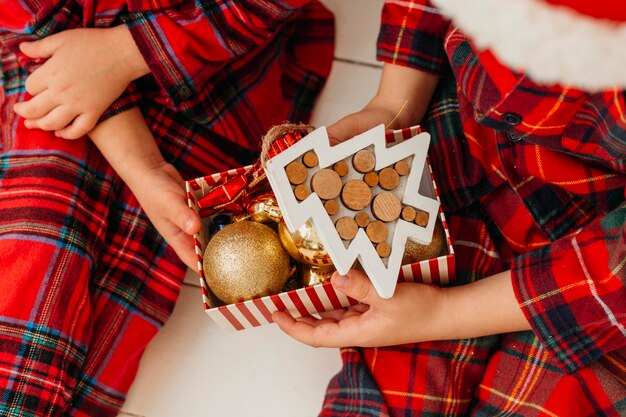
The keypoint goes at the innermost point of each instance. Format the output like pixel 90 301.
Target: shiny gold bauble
pixel 245 260
pixel 264 209
pixel 311 275
pixel 304 245
pixel 416 252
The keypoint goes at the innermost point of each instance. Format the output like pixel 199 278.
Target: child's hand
pixel 84 72
pixel 160 192
pixel 356 123
pixel 401 101
pixel 415 313
pixel 128 145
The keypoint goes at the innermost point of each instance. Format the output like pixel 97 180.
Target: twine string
pixel 277 132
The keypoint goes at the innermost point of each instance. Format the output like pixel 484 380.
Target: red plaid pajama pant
pixel 81 266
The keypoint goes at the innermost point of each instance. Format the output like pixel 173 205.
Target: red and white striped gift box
pixel 309 300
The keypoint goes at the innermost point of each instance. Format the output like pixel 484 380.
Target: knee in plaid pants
pixel 71 265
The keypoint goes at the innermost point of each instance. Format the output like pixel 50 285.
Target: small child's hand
pixel 415 313
pixel 161 194
pixel 401 101
pixel 356 123
pixel 84 72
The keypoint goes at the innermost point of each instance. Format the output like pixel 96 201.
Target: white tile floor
pixel 195 369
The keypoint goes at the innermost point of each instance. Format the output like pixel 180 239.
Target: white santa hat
pixel 581 43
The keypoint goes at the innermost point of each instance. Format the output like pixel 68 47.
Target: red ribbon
pixel 236 192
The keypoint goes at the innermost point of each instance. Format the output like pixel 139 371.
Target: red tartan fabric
pixel 532 178
pixel 86 281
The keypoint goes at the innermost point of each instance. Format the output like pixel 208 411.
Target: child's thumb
pixel 188 220
pixel 356 285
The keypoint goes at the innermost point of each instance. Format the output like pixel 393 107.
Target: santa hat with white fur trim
pixel 581 43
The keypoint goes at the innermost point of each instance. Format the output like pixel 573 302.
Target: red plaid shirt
pixel 532 179
pixel 552 162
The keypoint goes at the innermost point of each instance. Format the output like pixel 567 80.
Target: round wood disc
pixel 332 207
pixel 296 172
pixel 388 178
pixel 356 195
pixel 386 206
pixel 310 159
pixel 341 168
pixel 402 167
pixel 362 219
pixel 347 228
pixel 383 249
pixel 326 183
pixel 301 192
pixel 371 179
pixel 421 218
pixel 408 213
pixel 376 231
pixel 364 161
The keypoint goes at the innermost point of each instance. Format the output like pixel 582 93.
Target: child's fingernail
pixel 190 226
pixel 340 281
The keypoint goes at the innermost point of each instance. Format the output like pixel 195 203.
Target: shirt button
pixel 513 138
pixel 512 119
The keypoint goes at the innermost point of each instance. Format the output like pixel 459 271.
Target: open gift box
pixel 317 298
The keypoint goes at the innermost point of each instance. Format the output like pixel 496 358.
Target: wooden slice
pixel 346 227
pixel 421 218
pixel 356 195
pixel 332 207
pixel 376 231
pixel 310 159
pixel 326 183
pixel 301 192
pixel 341 168
pixel 362 219
pixel 383 249
pixel 402 167
pixel 386 207
pixel 371 179
pixel 364 161
pixel 408 213
pixel 388 178
pixel 296 172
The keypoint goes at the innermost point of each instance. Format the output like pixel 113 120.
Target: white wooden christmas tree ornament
pixel 383 272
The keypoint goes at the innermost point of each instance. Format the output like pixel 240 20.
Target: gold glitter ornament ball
pixel 245 260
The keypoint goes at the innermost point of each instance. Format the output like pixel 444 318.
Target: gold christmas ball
pixel 311 275
pixel 245 260
pixel 264 209
pixel 304 245
pixel 416 252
